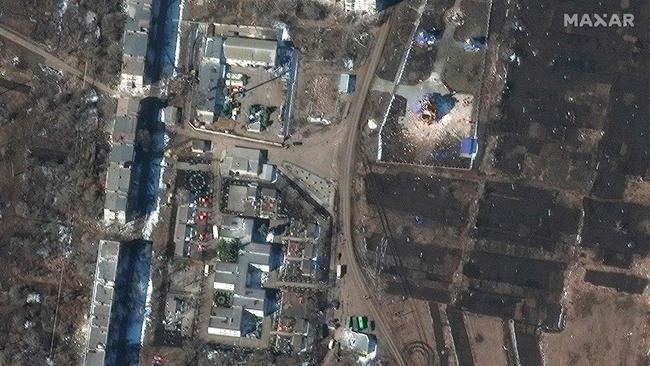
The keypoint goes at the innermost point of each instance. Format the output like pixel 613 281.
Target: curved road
pixel 51 59
pixel 348 151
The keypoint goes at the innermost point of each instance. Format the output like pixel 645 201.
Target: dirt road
pixel 52 60
pixel 347 157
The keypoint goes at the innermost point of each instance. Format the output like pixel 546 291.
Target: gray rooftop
pixel 127 107
pixel 103 294
pixel 237 201
pixel 185 214
pixel 270 193
pixel 135 43
pixel 256 300
pixel 121 153
pixel 209 76
pixel 100 309
pixel 122 129
pixel 213 49
pixel 251 50
pixel 115 202
pixel 95 358
pixel 138 15
pixel 226 318
pixel 241 159
pixel 132 65
pixel 234 227
pixel 225 277
pixel 225 267
pixel 118 178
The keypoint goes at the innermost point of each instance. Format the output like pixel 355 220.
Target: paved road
pixel 348 152
pixel 51 59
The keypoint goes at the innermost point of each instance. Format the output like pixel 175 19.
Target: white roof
pixel 251 50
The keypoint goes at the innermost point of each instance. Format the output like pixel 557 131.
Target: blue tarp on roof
pixel 468 147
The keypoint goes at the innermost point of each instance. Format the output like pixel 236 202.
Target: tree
pixel 228 250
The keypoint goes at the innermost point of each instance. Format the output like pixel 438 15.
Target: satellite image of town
pixel 324 182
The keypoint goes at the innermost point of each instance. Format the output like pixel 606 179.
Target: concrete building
pixel 122 129
pixel 244 280
pixel 201 146
pixel 183 231
pixel 121 153
pixel 135 38
pixel 226 321
pixel 242 200
pixel 117 178
pixel 250 52
pixel 127 107
pixel 238 228
pixel 211 73
pixel 225 276
pixel 132 76
pixel 115 208
pixel 102 302
pixel 360 6
pixel 138 14
pixel 364 345
pixel 346 83
pixel 243 162
pixel 213 51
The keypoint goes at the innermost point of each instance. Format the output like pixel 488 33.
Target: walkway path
pixel 51 59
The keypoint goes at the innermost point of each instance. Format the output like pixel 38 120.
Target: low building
pixel 201 146
pixel 360 6
pixel 211 73
pixel 242 200
pixel 132 76
pixel 244 280
pixel 213 50
pixel 115 208
pixel 118 178
pixel 250 52
pixel 225 276
pixel 102 302
pixel 183 231
pixel 133 58
pixel 347 83
pixel 236 228
pixel 122 129
pixel 138 15
pixel 243 162
pixel 121 153
pixel 364 345
pixel 226 321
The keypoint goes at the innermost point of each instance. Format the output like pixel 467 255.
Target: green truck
pixel 358 323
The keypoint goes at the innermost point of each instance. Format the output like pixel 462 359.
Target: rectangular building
pixel 250 52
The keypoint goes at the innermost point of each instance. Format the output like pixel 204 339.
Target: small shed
pixel 468 147
pixel 347 83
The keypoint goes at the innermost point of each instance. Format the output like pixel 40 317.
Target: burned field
pixel 617 231
pixel 421 64
pixel 422 245
pixel 552 229
pixel 398 41
pixel 430 120
pixel 506 219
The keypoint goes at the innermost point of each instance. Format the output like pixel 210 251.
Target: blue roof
pixel 468 147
